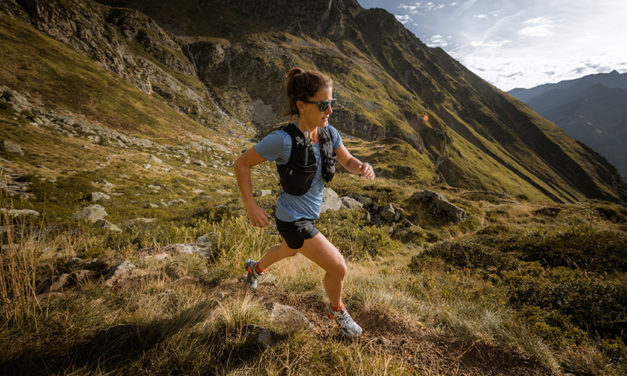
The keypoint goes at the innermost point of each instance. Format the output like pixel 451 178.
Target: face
pixel 310 113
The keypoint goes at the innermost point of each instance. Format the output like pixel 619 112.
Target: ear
pixel 301 106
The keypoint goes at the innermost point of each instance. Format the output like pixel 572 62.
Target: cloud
pixel 404 18
pixel 491 44
pixel 537 27
pixel 452 4
pixel 480 16
pixel 437 41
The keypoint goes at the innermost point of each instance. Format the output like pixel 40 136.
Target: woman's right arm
pixel 257 215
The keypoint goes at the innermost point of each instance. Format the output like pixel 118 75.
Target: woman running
pixel 305 153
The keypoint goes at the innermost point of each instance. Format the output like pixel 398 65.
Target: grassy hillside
pixel 511 290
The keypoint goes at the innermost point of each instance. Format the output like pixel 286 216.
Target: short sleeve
pixel 335 137
pixel 276 146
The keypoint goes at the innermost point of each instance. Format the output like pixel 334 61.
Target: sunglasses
pixel 322 105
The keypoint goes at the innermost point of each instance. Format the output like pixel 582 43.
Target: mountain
pixel 220 65
pixel 591 109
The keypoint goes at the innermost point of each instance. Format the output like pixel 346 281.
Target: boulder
pixel 439 206
pixel 119 272
pixel 388 213
pixel 330 200
pixel 20 212
pixel 364 200
pixel 10 147
pixel 351 203
pixel 108 225
pixel 203 250
pixel 288 316
pixel 200 163
pixel 138 221
pixel 263 193
pixel 97 196
pixel 91 213
pixel 176 201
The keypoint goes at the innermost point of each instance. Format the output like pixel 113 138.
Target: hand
pixel 366 170
pixel 258 216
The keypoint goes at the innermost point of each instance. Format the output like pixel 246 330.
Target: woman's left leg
pixel 321 251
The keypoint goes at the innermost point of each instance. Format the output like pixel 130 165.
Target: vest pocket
pixel 296 179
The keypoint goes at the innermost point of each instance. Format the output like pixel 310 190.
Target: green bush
pixel 355 239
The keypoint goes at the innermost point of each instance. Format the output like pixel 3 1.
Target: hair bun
pixel 295 72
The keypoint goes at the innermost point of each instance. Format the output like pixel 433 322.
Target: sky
pixel 521 43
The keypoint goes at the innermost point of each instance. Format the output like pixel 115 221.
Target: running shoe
pixel 251 273
pixel 348 326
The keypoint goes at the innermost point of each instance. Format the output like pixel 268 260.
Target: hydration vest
pixel 298 173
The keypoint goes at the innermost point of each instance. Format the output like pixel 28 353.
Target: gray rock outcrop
pixel 351 203
pixel 330 200
pixel 91 213
pixel 288 316
pixel 439 206
pixel 10 147
pixel 98 196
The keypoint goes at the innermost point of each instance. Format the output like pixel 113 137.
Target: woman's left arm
pixel 352 164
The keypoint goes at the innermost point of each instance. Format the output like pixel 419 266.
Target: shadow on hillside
pixel 112 349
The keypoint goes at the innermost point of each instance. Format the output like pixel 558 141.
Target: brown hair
pixel 302 84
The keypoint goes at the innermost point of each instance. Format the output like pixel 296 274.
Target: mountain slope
pixel 386 82
pixel 592 109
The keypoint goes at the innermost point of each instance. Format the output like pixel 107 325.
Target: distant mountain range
pixel 591 109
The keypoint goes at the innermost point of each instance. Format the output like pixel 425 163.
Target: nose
pixel 329 110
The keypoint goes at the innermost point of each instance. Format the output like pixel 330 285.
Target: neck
pixel 305 127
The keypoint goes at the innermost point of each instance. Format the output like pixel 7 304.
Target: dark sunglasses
pixel 322 105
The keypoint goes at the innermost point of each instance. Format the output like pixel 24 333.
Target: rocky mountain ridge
pixel 222 64
pixel 590 109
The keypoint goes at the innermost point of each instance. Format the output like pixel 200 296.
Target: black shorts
pixel 296 232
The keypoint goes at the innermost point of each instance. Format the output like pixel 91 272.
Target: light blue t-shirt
pixel 277 147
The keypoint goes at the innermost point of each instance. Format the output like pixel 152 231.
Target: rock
pixel 107 225
pixel 91 213
pixel 330 200
pixel 155 159
pixel 203 239
pixel 200 163
pixel 20 212
pixel 10 147
pixel 59 282
pixel 388 212
pixel 83 275
pixel 364 200
pixel 138 221
pixel 176 201
pixel 439 206
pixel 97 196
pixel 263 192
pixel 197 191
pixel 548 211
pixel 265 339
pixel 260 336
pixel 105 185
pixel 147 166
pixel 351 203
pixel 203 250
pixel 119 272
pixel 288 316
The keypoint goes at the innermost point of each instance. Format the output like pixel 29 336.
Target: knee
pixel 340 269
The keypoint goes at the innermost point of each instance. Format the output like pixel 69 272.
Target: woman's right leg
pixel 275 253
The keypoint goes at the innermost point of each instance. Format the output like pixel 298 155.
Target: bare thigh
pixel 321 251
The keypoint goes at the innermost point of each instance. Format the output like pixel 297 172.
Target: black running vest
pixel 298 173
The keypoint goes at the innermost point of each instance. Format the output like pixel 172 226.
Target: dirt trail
pixel 428 352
